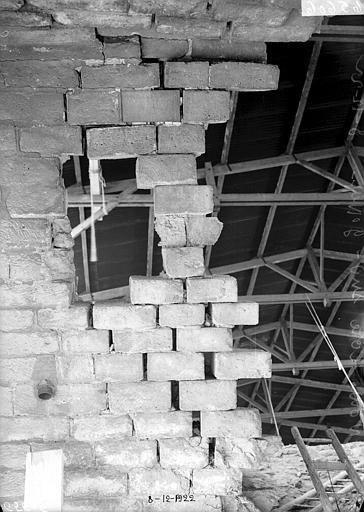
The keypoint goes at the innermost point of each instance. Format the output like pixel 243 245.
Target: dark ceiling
pixel 261 129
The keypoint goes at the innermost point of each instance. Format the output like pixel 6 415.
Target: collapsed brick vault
pixel 133 411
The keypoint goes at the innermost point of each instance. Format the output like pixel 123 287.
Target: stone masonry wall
pixel 133 411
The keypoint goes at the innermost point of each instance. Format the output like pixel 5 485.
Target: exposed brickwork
pixel 130 376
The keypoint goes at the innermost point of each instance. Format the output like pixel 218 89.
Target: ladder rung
pixel 319 440
pixel 328 465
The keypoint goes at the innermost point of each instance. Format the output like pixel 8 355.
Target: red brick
pixel 158 49
pixel 119 367
pixel 13 320
pixel 32 107
pixel 251 14
pixel 22 344
pixel 48 429
pixel 38 73
pixel 206 106
pixel 126 48
pixel 23 369
pixel 119 315
pixel 40 294
pixel 183 200
pixel 185 138
pixel 120 141
pixel 181 315
pixel 155 170
pixel 297 28
pixel 106 504
pixel 91 18
pixel 6 401
pixel 74 317
pixel 242 364
pixel 93 107
pixel 75 369
pixel 127 454
pixel 24 234
pixel 209 339
pixel 175 366
pixel 90 340
pixel 155 290
pixel 93 5
pixel 230 314
pixel 132 341
pixel 13 456
pixel 12 484
pixel 155 482
pixel 169 7
pixel 171 230
pixel 212 289
pixel 202 231
pixel 207 395
pixel 181 28
pixel 243 76
pixel 160 425
pixel 98 428
pixel 40 177
pixel 139 397
pixel 244 423
pixel 7 138
pixel 70 400
pixel 75 453
pixel 52 140
pixel 150 106
pixel 183 262
pixel 95 482
pixel 229 49
pixel 186 75
pixel 189 453
pixel 217 481
pixel 122 76
pixel 52 45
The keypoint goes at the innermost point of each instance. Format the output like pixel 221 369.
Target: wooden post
pixel 326 505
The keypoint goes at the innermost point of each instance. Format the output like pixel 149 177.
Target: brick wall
pixel 133 412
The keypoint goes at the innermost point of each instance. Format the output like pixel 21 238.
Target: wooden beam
pixel 345 388
pixel 298 298
pixel 328 175
pixel 315 365
pixel 112 293
pixel 310 426
pixel 258 262
pixel 356 165
pixel 336 331
pixel 291 277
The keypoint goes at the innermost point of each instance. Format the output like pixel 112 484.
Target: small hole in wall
pixel 175 394
pixel 145 366
pixel 212 444
pixel 196 423
pixel 208 365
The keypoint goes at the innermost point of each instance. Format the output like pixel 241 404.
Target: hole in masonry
pixel 111 342
pixel 196 423
pixel 212 444
pixel 145 365
pixel 175 394
pixel 229 26
pixel 208 365
pixel 158 452
pixel 174 340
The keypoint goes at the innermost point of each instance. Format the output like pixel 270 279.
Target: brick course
pixel 120 141
pixel 154 170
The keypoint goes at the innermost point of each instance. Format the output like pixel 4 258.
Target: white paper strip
pixel 332 7
pixel 44 481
